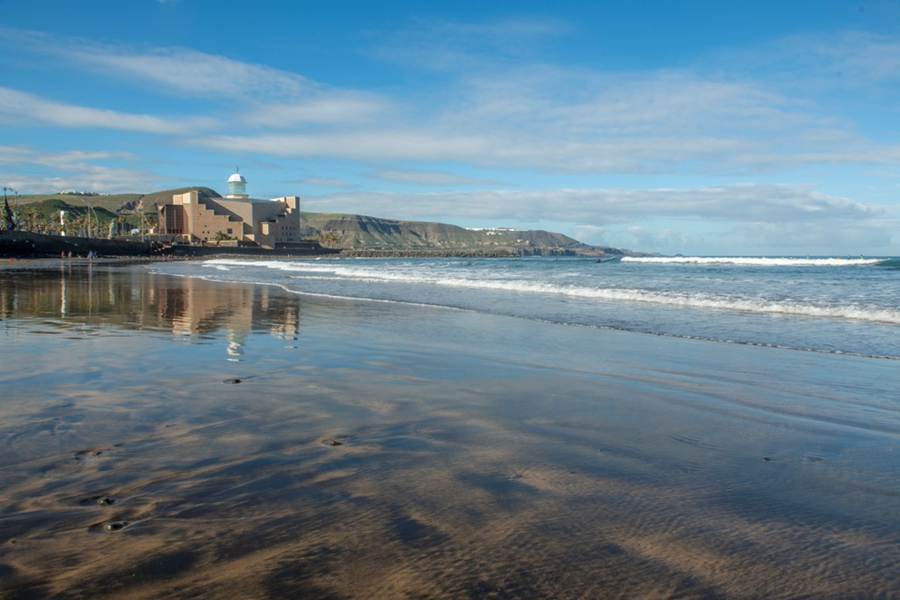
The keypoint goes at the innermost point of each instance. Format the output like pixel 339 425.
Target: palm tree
pixel 8 219
pixel 33 215
pixel 328 239
pixel 80 224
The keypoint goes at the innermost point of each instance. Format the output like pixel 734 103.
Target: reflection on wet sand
pixel 379 460
pixel 135 298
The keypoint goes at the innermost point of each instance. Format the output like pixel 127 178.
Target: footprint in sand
pixel 85 459
pixel 97 501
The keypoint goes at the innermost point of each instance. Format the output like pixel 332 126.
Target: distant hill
pixel 41 211
pixel 337 230
pixel 360 232
pixel 148 202
pixel 117 203
pixel 111 202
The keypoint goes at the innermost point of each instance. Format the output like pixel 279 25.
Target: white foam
pixel 754 261
pixel 463 279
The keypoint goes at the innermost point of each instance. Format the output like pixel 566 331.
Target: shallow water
pixel 843 305
pixel 259 443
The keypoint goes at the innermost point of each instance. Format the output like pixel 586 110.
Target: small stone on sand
pixel 114 526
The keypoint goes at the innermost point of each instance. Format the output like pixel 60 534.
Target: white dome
pixel 237 178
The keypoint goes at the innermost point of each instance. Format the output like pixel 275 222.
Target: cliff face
pixel 361 232
pixel 358 232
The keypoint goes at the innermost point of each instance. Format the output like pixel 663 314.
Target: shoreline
pixel 17 245
pixel 263 444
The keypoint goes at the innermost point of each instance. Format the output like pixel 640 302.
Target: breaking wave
pixel 363 273
pixel 759 261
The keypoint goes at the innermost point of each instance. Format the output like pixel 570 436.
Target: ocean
pixel 827 305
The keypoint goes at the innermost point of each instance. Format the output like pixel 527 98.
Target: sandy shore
pixel 165 437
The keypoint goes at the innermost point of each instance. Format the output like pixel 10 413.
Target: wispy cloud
pixel 18 108
pixel 570 121
pixel 47 172
pixel 364 144
pixel 445 45
pixel 423 177
pixel 760 215
pixel 179 70
pixel 749 203
pixel 193 73
pixel 848 59
pixel 256 96
pixel 328 182
pixel 332 108
pixel 528 114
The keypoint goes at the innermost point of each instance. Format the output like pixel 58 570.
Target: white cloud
pixel 328 182
pixel 441 44
pixel 96 178
pixel 333 108
pixel 522 115
pixel 68 160
pixel 755 218
pixel 569 122
pixel 18 108
pixel 423 177
pixel 34 171
pixel 667 238
pixel 747 203
pixel 848 59
pixel 184 71
pixel 849 236
pixel 258 96
pixel 195 73
pixel 362 144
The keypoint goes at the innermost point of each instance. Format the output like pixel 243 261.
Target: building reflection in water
pixel 104 297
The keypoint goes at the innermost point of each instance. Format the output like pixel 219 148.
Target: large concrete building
pixel 195 218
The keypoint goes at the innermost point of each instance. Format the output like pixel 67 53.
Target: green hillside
pixel 117 203
pixel 112 202
pixel 41 212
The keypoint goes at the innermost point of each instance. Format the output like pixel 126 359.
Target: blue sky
pixel 740 127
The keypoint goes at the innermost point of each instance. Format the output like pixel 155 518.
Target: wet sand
pixel 165 437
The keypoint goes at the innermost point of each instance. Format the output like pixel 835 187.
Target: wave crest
pixel 755 261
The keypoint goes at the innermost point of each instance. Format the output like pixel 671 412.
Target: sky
pixel 746 127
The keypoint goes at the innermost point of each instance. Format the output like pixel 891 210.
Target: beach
pixel 173 437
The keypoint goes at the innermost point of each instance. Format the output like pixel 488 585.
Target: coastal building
pixel 237 219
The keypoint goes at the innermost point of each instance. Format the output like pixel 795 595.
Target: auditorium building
pixel 236 219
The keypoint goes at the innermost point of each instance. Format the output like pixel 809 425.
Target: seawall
pixel 23 244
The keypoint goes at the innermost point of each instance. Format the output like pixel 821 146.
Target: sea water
pixel 830 305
